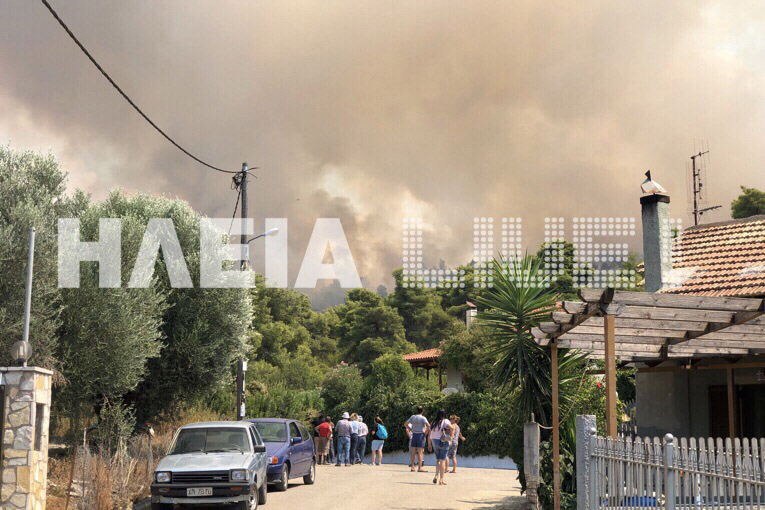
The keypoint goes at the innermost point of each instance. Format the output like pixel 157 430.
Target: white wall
pixel 485 461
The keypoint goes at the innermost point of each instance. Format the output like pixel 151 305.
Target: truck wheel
pixel 284 481
pixel 311 476
pixel 262 494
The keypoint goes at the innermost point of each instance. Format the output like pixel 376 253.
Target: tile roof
pixel 720 259
pixel 430 354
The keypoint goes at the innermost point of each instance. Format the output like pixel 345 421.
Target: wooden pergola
pixel 651 328
pixel 427 360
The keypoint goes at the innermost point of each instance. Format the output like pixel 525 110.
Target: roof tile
pixel 720 259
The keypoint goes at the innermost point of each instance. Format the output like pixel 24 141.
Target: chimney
pixel 657 240
pixel 470 314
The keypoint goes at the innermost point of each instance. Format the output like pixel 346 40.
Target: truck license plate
pixel 199 491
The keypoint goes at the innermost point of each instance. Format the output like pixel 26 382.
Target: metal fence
pixel 694 473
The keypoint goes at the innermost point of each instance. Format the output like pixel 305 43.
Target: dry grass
pixel 114 482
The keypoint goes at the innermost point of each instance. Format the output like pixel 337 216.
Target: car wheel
pixel 161 506
pixel 284 481
pixel 262 494
pixel 311 476
pixel 247 505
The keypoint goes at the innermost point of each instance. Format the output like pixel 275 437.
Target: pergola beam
pixel 677 301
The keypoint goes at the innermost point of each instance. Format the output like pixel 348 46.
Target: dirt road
pixel 395 487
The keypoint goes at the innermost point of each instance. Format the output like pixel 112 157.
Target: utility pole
pixel 245 245
pixel 241 365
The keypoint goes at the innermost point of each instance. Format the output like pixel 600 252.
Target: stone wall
pixel 25 449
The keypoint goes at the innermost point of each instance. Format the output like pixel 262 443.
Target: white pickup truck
pixel 216 463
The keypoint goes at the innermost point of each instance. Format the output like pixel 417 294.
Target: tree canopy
pixel 750 202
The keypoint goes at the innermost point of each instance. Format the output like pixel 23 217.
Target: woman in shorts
pixel 438 441
pixel 379 434
pixel 456 438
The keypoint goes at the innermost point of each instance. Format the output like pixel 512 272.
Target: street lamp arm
pixel 271 232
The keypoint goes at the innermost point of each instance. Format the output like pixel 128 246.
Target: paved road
pixel 395 487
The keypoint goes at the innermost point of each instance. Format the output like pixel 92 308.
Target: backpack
pixel 382 432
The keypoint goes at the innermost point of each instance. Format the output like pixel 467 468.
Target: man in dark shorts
pixel 418 427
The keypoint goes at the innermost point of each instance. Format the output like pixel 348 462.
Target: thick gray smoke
pixel 373 111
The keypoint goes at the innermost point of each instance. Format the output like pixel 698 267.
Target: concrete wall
pixel 484 461
pixel 454 378
pixel 678 402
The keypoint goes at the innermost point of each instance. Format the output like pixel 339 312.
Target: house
pixel 725 259
pixel 430 359
pixel 696 337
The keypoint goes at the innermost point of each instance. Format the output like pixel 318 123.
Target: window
pixel 304 432
pixel 294 432
pixel 211 440
pixel 255 436
pixel 272 432
pixel 39 422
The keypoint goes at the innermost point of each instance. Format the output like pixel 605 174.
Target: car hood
pixel 275 449
pixel 199 461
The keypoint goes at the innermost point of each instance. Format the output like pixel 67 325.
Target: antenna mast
pixel 697 184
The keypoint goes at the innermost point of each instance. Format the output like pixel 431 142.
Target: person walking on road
pixel 343 431
pixel 417 427
pixel 317 439
pixel 456 438
pixel 331 455
pixel 354 436
pixel 323 433
pixel 361 445
pixel 439 440
pixel 379 434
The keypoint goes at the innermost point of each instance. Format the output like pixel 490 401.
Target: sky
pixel 372 111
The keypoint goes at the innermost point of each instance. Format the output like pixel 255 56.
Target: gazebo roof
pixel 657 327
pixel 424 359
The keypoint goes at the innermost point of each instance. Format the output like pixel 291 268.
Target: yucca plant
pixel 521 297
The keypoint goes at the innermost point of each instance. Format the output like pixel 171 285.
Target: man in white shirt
pixel 361 444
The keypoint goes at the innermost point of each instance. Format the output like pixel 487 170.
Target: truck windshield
pixel 208 440
pixel 272 432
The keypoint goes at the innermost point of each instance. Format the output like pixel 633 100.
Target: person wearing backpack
pixel 379 434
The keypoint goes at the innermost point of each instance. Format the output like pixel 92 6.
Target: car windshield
pixel 272 432
pixel 213 439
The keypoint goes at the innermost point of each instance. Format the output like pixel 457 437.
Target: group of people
pixel 442 436
pixel 352 434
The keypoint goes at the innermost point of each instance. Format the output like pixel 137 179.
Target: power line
pixel 236 206
pixel 125 96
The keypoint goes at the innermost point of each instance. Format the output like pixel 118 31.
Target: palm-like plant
pixel 521 297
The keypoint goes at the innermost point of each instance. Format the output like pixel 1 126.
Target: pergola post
pixel 440 378
pixel 610 354
pixel 555 424
pixel 731 405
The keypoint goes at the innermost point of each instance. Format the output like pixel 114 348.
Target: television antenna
pixel 696 184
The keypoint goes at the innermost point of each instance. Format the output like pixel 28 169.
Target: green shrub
pixel 116 422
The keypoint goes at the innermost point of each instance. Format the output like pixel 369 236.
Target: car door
pixel 297 450
pixel 260 458
pixel 307 446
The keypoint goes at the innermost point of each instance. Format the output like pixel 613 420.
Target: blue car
pixel 289 449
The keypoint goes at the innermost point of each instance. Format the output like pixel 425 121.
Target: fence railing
pixel 693 473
